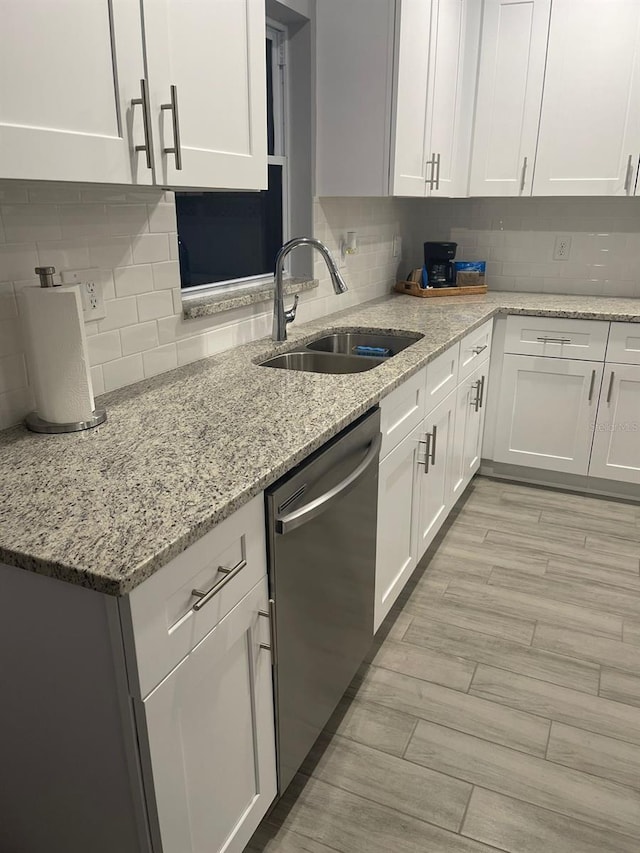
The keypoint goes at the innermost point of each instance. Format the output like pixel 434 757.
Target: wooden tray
pixel 412 288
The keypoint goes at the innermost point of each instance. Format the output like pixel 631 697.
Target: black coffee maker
pixel 438 260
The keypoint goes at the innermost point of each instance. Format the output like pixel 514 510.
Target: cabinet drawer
pixel 442 376
pixel 624 343
pixel 159 616
pixel 556 337
pixel 474 349
pixel 401 411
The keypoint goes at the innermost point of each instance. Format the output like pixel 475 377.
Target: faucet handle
pixel 290 314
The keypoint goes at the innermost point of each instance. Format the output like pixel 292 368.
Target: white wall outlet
pixel 91 291
pixel 562 248
pixel 397 246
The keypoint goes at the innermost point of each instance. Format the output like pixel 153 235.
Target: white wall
pixel 516 237
pixel 131 235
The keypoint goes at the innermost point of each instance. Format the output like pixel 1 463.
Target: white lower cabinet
pixel 397 526
pixel 545 412
pixel 471 398
pixel 435 479
pixel 210 736
pixel 616 438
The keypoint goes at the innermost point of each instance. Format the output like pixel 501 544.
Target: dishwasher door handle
pixel 286 523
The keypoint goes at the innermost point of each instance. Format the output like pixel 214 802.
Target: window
pixel 233 237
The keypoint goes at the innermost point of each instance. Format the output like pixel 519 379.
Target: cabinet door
pixel 69 73
pixel 397 521
pixel 511 75
pixel 546 411
pixel 211 737
pixel 452 85
pixel 433 479
pixel 471 397
pixel 413 28
pixel 589 140
pixel 213 53
pixel 616 441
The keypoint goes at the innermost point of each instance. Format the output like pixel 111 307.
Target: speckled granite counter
pixel 182 451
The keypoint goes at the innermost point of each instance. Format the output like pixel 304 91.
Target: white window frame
pixel 277 33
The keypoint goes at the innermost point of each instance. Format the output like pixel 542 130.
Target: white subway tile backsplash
pixel 8 305
pixel 120 313
pixel 129 234
pixel 150 248
pixel 110 252
pixel 142 336
pixel 123 371
pixel 162 217
pixel 192 349
pixel 127 219
pixel 30 222
pixel 130 281
pixel 153 306
pixel 166 276
pixel 160 360
pixel 97 380
pixel 104 347
pixel 64 254
pixel 17 261
pixel 13 372
pixel 83 220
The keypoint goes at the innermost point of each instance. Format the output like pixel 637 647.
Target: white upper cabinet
pixel 395 85
pixel 410 168
pixel 589 140
pixel 76 103
pixel 206 66
pixel 68 75
pixel 511 76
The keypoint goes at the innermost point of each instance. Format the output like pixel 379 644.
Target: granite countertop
pixel 106 508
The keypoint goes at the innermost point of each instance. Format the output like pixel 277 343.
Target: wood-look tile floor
pixel 500 706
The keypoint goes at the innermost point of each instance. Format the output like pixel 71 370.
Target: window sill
pixel 216 303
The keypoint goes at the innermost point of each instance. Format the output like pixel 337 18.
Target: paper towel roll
pixel 57 353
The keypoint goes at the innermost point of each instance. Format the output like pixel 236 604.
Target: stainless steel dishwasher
pixel 321 521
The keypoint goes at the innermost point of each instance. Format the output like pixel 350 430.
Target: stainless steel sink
pixel 347 342
pixel 322 362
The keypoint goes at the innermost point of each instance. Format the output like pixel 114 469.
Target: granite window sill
pixel 239 297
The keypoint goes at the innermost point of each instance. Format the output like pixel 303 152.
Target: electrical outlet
pixel 562 248
pixel 91 291
pixel 397 246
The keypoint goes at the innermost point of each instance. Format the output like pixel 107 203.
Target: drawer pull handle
pixel 478 350
pixel 610 391
pixel 592 385
pixel 271 616
pixel 427 443
pixel 546 340
pixel 205 596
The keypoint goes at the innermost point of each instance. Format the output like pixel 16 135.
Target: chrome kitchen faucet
pixel 281 316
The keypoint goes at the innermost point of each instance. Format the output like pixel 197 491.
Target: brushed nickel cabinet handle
pixel 475 402
pixel 437 165
pixel 524 174
pixel 427 444
pixel 205 596
pixel 482 378
pixel 545 340
pixel 430 180
pixel 143 101
pixel 478 350
pixel 173 106
pixel 271 616
pixel 610 391
pixel 434 436
pixel 592 385
pixel 627 179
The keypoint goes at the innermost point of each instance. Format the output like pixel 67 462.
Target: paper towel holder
pixel 33 421
pixel 37 424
